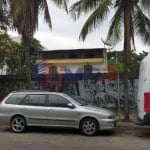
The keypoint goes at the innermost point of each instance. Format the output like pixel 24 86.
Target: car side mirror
pixel 70 105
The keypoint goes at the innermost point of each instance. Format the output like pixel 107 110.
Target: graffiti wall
pixel 108 93
pixel 10 85
pixel 100 92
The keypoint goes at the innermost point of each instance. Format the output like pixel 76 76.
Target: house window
pixel 53 70
pixel 89 55
pixel 87 69
pixel 72 56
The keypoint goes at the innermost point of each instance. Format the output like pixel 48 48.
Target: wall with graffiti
pixel 98 88
pixel 100 92
pixel 7 85
pixel 108 94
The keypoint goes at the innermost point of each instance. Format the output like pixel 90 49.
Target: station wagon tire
pixel 89 127
pixel 18 124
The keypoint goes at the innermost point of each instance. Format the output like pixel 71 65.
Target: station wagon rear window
pixel 15 99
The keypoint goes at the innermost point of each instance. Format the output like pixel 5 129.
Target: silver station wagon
pixel 21 109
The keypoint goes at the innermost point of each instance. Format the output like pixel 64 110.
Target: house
pixel 58 69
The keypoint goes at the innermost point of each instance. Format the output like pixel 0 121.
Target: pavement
pixel 127 124
pixel 130 124
pixel 122 123
pixel 119 124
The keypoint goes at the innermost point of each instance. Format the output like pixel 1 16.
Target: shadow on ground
pixel 138 131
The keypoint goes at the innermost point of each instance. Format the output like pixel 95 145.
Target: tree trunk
pixel 127 51
pixel 26 46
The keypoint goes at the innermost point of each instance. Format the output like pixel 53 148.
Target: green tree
pixel 24 14
pixel 6 46
pixel 5 41
pixel 35 46
pixel 128 15
pixel 4 19
pixel 134 64
pixel 115 60
pixel 15 61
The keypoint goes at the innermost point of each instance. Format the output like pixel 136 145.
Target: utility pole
pixel 118 78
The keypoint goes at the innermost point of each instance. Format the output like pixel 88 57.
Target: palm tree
pixel 4 21
pixel 132 15
pixel 24 14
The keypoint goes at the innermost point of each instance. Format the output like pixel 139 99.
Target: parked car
pixel 21 109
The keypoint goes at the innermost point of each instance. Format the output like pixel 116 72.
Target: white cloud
pixel 53 41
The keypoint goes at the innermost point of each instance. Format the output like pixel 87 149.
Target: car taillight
pixel 147 102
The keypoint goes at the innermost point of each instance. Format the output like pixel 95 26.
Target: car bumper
pixel 107 124
pixel 144 121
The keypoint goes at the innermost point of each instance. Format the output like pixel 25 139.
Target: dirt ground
pixel 130 129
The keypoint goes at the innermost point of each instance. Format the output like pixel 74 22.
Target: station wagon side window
pixel 35 100
pixel 15 99
pixel 57 101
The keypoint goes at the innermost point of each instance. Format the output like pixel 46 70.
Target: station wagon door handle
pixel 51 110
pixel 23 108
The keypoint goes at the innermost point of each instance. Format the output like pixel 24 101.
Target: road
pixel 122 138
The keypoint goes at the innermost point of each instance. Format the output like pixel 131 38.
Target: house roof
pixel 72 53
pixel 74 50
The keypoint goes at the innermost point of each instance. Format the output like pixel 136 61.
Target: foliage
pixel 134 64
pixel 12 54
pixel 24 14
pixel 4 17
pixel 115 60
pixel 16 60
pixel 35 45
pixel 128 15
pixel 98 12
pixel 6 46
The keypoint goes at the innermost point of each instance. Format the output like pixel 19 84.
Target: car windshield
pixel 77 99
pixel 80 100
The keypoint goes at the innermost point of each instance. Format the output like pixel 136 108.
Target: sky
pixel 65 33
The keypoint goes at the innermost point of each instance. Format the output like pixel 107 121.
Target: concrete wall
pixel 104 93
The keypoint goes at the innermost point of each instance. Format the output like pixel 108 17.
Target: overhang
pixel 71 61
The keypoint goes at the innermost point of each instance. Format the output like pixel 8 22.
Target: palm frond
pixel 25 13
pixel 114 33
pixel 1 3
pixel 43 6
pixel 4 20
pixel 146 5
pixel 142 25
pixel 95 19
pixel 83 6
pixel 61 4
pixel 16 8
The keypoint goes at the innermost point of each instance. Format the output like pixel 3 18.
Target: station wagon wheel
pixel 18 124
pixel 89 126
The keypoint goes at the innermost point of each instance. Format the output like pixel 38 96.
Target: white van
pixel 143 96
